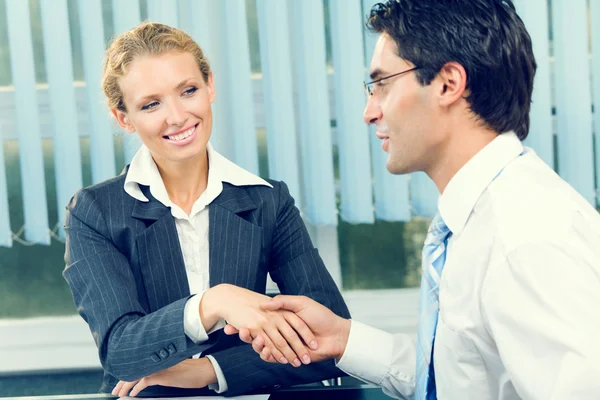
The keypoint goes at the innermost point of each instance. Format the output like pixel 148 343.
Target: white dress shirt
pixel 519 293
pixel 192 230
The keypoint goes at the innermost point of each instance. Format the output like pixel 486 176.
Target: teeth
pixel 183 135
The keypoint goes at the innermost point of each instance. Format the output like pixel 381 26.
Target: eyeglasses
pixel 369 90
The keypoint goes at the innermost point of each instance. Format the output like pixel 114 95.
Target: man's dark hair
pixel 486 37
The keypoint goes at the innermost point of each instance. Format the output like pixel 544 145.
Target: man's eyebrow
pixel 375 73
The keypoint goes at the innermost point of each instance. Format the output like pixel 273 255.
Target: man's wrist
pixel 343 331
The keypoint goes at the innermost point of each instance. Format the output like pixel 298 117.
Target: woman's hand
pixel 189 374
pixel 283 332
pixel 330 331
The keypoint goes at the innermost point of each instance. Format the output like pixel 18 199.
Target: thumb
pixel 294 304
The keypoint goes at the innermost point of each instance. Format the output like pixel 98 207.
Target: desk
pixel 359 392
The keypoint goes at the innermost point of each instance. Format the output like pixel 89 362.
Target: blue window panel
pixel 102 152
pixel 59 67
pixel 5 232
pixel 164 12
pixel 391 191
pixel 30 146
pixel 126 16
pixel 346 22
pixel 274 38
pixel 207 31
pixel 534 14
pixel 424 195
pixel 239 100
pixel 595 22
pixel 313 112
pixel 573 99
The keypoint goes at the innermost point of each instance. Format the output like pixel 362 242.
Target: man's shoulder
pixel 529 201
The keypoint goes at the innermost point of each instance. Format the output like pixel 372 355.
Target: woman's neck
pixel 185 181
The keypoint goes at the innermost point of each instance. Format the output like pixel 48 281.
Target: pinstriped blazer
pixel 126 271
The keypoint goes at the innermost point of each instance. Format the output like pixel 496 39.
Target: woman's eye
pixel 190 91
pixel 150 106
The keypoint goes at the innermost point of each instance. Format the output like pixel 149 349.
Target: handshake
pixel 293 330
pixel 289 329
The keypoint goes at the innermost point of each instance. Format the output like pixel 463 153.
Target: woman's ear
pixel 211 87
pixel 123 120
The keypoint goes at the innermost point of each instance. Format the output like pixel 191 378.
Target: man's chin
pixel 397 168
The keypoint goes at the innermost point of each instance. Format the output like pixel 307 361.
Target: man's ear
pixel 452 80
pixel 123 120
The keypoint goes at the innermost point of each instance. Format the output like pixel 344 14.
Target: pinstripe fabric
pixel 126 271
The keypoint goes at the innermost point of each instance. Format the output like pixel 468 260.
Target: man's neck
pixel 461 147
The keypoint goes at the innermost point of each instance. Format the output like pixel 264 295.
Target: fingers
pixel 258 344
pixel 292 339
pixel 123 388
pixel 282 351
pixel 290 303
pixel 118 387
pixel 245 335
pixel 302 329
pixel 141 385
pixel 230 330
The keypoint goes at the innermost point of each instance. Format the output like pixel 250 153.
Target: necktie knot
pixel 438 231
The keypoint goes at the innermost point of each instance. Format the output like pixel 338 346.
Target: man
pixel 514 253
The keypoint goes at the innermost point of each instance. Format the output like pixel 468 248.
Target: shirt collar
pixel 143 171
pixel 465 188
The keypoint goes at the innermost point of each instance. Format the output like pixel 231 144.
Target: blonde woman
pixel 161 256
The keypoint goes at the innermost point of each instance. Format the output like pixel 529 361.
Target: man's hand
pixel 190 374
pixel 283 331
pixel 330 331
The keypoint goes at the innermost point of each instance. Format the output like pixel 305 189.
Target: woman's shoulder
pixel 101 193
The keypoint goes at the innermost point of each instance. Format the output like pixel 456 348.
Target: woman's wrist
pixel 210 308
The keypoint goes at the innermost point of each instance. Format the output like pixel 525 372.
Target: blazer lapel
pixel 235 244
pixel 160 256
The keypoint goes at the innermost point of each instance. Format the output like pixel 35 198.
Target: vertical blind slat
pixel 100 129
pixel 595 23
pixel 391 191
pixel 313 112
pixel 206 31
pixel 31 158
pixel 351 131
pixel 239 97
pixel 126 15
pixel 164 12
pixel 573 100
pixel 5 232
pixel 534 14
pixel 274 37
pixel 59 67
pixel 423 195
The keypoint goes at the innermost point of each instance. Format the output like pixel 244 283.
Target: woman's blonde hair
pixel 149 38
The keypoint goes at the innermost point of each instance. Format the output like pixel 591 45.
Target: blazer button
pixel 155 357
pixel 163 354
pixel 171 349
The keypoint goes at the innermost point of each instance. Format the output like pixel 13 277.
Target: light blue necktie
pixel 434 257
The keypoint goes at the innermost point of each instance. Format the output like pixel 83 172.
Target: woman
pixel 158 257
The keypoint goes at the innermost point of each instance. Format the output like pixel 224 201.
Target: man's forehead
pixel 385 54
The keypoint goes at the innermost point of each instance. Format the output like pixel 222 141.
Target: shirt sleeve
pixel 221 385
pixel 192 324
pixel 381 358
pixel 541 307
